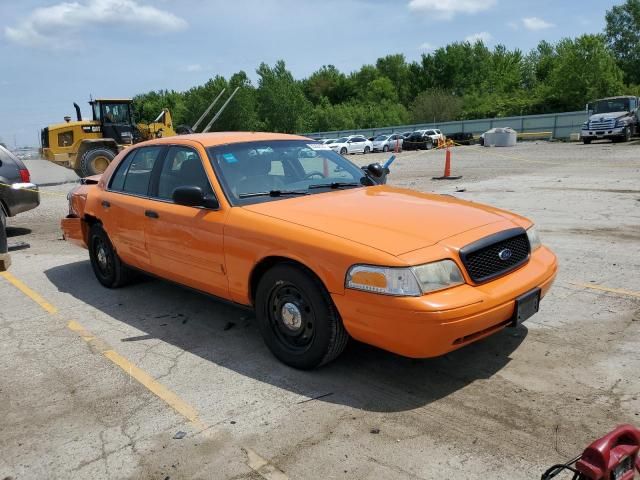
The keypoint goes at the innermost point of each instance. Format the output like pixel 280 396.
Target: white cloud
pixel 53 27
pixel 535 23
pixel 196 67
pixel 484 37
pixel 427 47
pixel 449 8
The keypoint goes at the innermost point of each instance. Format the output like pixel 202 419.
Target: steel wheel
pixel 106 264
pixel 297 317
pixel 291 318
pixel 104 257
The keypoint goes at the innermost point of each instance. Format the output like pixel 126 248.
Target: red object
pixel 447 163
pixel 24 175
pixel 601 459
pixel 397 149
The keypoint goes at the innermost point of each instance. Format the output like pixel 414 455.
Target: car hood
pixel 606 116
pixel 390 219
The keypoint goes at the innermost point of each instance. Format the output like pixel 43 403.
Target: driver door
pixel 185 244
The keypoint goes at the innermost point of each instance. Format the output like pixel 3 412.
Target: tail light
pixel 25 176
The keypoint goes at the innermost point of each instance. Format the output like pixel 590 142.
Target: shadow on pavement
pixel 17 231
pixel 363 377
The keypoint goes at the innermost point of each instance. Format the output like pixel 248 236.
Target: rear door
pixel 185 244
pixel 125 201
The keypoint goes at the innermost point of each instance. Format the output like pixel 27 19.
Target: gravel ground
pixel 505 408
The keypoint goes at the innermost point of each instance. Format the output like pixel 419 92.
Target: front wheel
pixel 627 134
pixel 586 141
pixel 343 151
pixel 106 264
pixel 297 318
pixel 429 145
pixel 385 149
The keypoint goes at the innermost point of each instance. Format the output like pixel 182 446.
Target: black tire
pixel 586 141
pixel 4 248
pixel 107 266
pixel 367 150
pixel 95 161
pixel 385 149
pixel 627 134
pixel 343 151
pixel 313 335
pixel 429 145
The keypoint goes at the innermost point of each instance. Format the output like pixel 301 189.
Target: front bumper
pixel 437 323
pixel 20 197
pixel 595 134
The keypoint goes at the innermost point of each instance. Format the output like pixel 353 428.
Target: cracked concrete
pixel 503 408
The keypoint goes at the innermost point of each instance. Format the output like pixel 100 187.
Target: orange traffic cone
pixel 447 168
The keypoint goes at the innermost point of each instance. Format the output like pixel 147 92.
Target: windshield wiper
pixel 335 185
pixel 273 193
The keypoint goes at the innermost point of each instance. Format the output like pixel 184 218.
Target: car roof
pixel 223 138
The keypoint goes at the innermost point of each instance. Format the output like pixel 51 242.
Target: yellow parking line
pixel 29 293
pixel 607 289
pixel 100 346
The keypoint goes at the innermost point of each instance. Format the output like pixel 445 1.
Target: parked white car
pixel 435 134
pixel 352 144
pixel 384 143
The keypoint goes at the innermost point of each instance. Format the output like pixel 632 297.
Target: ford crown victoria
pixel 317 246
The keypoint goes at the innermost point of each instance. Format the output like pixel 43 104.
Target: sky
pixel 56 52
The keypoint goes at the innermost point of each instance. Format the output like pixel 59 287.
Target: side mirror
pixel 192 196
pixel 375 170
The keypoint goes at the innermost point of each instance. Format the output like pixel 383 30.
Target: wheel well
pixel 265 265
pixel 90 220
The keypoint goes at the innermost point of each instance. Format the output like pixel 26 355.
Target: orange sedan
pixel 319 247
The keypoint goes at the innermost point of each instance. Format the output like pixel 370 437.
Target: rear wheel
pixel 106 264
pixel 297 318
pixel 3 232
pixel 429 145
pixel 627 134
pixel 95 161
pixel 367 150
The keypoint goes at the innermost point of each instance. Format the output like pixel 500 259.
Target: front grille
pixel 489 257
pixel 602 124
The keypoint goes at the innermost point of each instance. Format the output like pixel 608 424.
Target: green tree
pixel 623 37
pixel 282 104
pixel 585 70
pixel 435 105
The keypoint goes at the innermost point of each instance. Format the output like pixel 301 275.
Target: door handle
pixel 151 214
pixel 105 204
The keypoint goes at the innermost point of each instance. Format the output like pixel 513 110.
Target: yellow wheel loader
pixel 88 146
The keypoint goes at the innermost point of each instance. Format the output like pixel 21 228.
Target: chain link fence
pixel 555 125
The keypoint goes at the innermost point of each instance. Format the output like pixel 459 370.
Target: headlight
pixel 585 126
pixel 619 123
pixel 409 281
pixel 534 238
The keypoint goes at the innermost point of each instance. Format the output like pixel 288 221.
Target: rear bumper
pixel 20 197
pixel 440 322
pixel 74 230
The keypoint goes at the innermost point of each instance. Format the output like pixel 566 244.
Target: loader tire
pixel 95 161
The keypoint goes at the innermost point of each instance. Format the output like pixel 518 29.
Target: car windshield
pixel 608 106
pixel 381 138
pixel 272 170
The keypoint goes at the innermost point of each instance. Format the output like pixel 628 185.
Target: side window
pixel 182 167
pixel 138 175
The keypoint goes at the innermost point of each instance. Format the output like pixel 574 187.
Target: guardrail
pixel 552 125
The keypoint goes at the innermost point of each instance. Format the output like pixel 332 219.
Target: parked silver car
pixel 384 143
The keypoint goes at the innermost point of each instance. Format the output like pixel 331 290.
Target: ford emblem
pixel 505 254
